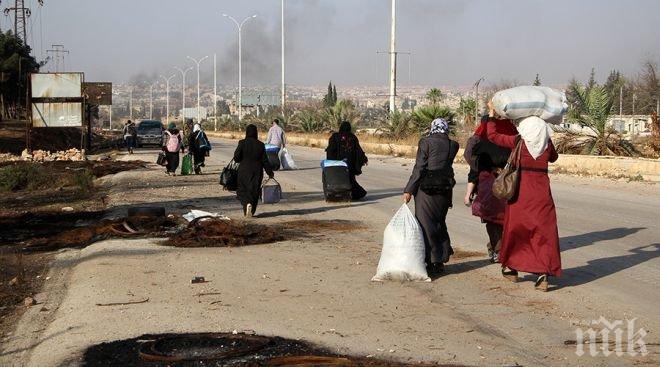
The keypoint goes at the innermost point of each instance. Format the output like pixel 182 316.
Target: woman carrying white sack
pixel 431 183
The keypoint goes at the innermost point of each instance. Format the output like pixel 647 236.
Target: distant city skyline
pixel 453 42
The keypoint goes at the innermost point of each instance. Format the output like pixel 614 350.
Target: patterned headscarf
pixel 439 126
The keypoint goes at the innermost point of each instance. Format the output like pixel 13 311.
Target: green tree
pixel 466 109
pixel 434 95
pixel 397 125
pixel 329 99
pixel 15 65
pixel 537 81
pixel 334 94
pixel 308 120
pixel 423 116
pixel 591 109
pixel 343 110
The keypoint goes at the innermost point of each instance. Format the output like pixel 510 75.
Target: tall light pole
pixel 183 90
pixel 151 102
pixel 215 92
pixel 198 62
pixel 476 99
pixel 240 61
pixel 283 86
pixel 393 59
pixel 130 104
pixel 167 98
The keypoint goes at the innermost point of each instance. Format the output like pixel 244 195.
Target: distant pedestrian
pixel 431 183
pixel 199 147
pixel 130 136
pixel 172 145
pixel 530 242
pixel 345 146
pixel 276 135
pixel 251 156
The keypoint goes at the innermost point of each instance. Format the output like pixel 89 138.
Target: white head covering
pixel 536 133
pixel 197 127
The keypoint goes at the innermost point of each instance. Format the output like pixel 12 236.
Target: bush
pixel 84 180
pixel 423 116
pixel 22 176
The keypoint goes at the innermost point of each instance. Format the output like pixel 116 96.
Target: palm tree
pixel 434 95
pixel 466 109
pixel 308 120
pixel 423 116
pixel 591 109
pixel 343 110
pixel 397 125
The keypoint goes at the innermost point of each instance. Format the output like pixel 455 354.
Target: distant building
pixel 627 125
pixel 191 113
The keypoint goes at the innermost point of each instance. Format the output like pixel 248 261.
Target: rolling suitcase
pixel 336 181
pixel 273 155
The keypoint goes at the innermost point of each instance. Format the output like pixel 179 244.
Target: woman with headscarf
pixel 431 183
pixel 172 145
pixel 251 155
pixel 485 160
pixel 530 242
pixel 198 151
pixel 345 146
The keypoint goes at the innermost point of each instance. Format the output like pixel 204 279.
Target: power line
pixel 58 51
pixel 21 14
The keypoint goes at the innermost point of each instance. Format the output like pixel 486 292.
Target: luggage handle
pixel 268 180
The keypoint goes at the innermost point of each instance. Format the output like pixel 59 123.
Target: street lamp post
pixel 198 62
pixel 167 98
pixel 476 99
pixel 183 91
pixel 240 61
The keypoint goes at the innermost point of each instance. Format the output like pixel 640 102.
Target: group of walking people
pixel 522 232
pixel 174 144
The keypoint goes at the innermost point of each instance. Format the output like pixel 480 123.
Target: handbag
pixel 162 159
pixel 187 165
pixel 439 181
pixel 229 176
pixel 506 184
pixel 271 193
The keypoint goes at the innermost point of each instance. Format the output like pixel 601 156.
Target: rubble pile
pixel 45 156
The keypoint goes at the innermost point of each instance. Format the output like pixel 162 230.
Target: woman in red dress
pixel 530 241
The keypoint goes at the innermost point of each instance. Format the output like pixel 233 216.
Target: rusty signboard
pixel 98 93
pixel 56 85
pixel 57 99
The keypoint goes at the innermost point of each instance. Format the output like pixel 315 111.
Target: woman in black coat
pixel 345 146
pixel 436 153
pixel 251 155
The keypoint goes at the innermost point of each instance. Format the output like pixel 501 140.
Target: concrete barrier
pixel 614 167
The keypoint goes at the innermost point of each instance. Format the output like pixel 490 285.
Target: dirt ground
pixel 317 289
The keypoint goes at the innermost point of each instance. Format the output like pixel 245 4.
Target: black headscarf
pixel 251 132
pixel 345 127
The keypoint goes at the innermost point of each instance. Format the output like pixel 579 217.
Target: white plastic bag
pixel 402 257
pixel 525 101
pixel 287 160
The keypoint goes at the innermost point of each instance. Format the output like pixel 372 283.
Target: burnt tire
pixel 146 211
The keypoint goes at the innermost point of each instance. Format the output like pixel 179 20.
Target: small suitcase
pixel 271 192
pixel 273 155
pixel 162 159
pixel 336 181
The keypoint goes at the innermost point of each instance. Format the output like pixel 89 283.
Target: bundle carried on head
pixel 526 101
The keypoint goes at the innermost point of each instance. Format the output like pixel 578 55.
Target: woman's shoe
pixel 541 283
pixel 510 274
pixel 248 211
pixel 435 269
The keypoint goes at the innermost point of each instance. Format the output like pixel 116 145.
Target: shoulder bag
pixel 439 181
pixel 506 184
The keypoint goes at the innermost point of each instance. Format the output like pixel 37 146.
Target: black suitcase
pixel 273 159
pixel 336 184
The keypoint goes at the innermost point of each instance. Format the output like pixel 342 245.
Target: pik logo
pixel 617 337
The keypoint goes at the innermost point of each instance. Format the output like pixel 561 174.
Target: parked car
pixel 150 132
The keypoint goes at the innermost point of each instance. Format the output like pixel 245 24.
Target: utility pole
pixel 151 102
pixel 240 61
pixel 215 92
pixel 476 99
pixel 283 85
pixel 393 59
pixel 633 104
pixel 620 101
pixel 58 51
pixel 21 13
pixel 167 98
pixel 183 91
pixel 198 62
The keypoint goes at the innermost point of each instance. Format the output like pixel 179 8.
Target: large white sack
pixel 402 257
pixel 287 160
pixel 525 101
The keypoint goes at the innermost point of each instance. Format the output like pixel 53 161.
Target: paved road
pixel 318 288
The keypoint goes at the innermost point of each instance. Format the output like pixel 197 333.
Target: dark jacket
pixel 432 154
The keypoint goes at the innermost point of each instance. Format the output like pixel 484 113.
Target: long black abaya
pixel 251 155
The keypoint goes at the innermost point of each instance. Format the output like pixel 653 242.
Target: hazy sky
pixel 454 42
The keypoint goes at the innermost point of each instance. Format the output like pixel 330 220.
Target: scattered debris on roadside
pixel 222 349
pixel 145 300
